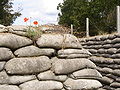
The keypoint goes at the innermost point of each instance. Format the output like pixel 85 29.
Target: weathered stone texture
pixel 2 64
pixel 80 84
pixel 53 61
pixel 5 54
pixel 49 75
pixel 13 41
pixel 41 85
pixel 21 79
pixel 30 51
pixel 106 58
pixel 87 73
pixel 66 66
pixel 58 41
pixel 28 65
pixel 4 78
pixel 9 87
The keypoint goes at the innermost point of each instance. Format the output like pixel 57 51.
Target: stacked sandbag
pixel 110 70
pixel 74 53
pixel 106 55
pixel 107 46
pixel 52 62
pixel 3 28
pixel 18 29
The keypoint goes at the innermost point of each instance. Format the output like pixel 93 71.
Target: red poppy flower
pixel 26 19
pixel 35 22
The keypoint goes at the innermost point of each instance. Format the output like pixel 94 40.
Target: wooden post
pixel 118 19
pixel 87 27
pixel 71 28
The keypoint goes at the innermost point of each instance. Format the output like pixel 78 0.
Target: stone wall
pixel 52 62
pixel 106 55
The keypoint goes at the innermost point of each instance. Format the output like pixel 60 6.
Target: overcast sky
pixel 44 11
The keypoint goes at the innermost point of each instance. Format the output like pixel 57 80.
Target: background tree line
pixel 102 15
pixel 7 14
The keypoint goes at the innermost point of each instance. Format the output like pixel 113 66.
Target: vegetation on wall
pixel 7 14
pixel 102 15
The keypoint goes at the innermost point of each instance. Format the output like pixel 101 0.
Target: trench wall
pixel 49 62
pixel 105 52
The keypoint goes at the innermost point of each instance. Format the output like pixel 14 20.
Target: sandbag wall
pixel 106 55
pixel 52 62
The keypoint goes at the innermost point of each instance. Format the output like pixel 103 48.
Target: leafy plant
pixel 33 33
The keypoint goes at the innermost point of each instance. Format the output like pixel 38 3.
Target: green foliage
pixel 102 15
pixel 7 14
pixel 33 33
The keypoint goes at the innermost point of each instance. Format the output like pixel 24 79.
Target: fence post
pixel 71 28
pixel 118 19
pixel 87 27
